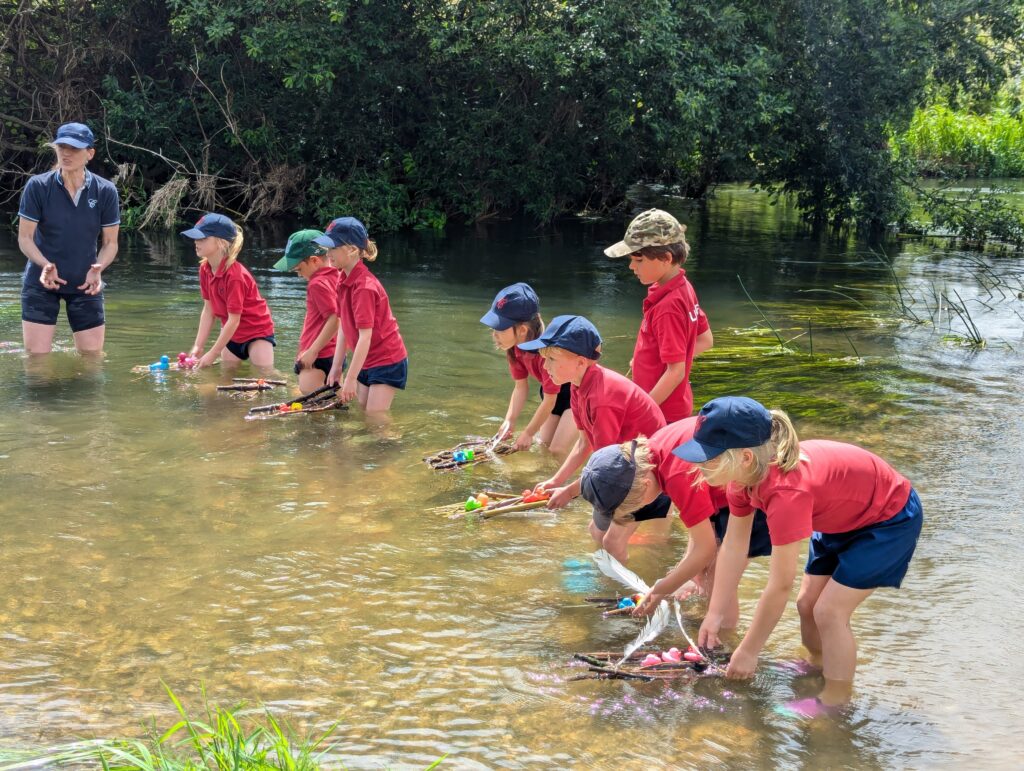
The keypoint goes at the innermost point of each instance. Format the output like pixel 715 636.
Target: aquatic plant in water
pixel 223 739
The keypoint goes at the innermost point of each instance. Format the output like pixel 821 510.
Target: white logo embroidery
pixel 694 314
pixel 92 203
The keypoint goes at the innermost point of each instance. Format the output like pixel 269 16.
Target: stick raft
pixel 497 504
pixel 251 384
pixel 320 400
pixel 468 454
pixel 601 666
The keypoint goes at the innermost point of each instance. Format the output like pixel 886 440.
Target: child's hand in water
pixel 741 664
pixel 348 389
pixel 206 360
pixel 524 441
pixel 560 496
pixel 688 590
pixel 707 637
pixel 648 604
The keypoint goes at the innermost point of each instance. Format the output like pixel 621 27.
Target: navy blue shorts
pixel 394 375
pixel 323 364
pixel 869 557
pixel 656 509
pixel 241 350
pixel 561 401
pixel 760 542
pixel 42 306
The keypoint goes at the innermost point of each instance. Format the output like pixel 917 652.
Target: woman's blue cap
pixel 512 305
pixel 211 224
pixel 76 135
pixel 726 423
pixel 573 333
pixel 344 231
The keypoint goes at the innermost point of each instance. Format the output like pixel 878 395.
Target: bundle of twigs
pixel 173 366
pixel 610 605
pixel 251 384
pixel 483 450
pixel 324 398
pixel 601 666
pixel 498 503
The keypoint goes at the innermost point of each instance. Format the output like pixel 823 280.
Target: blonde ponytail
pixel 642 458
pixel 785 441
pixel 370 252
pixel 235 247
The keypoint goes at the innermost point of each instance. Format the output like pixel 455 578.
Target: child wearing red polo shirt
pixel 319 328
pixel 639 481
pixel 674 329
pixel 515 318
pixel 607 407
pixel 380 363
pixel 229 294
pixel 862 516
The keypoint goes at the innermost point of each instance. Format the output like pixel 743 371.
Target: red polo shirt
pixel 835 488
pixel 675 475
pixel 668 333
pixel 610 408
pixel 363 304
pixel 233 290
pixel 524 364
pixel 321 304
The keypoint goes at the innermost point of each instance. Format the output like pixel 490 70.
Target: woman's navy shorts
pixel 869 557
pixel 561 401
pixel 760 542
pixel 241 350
pixel 323 364
pixel 42 306
pixel 394 375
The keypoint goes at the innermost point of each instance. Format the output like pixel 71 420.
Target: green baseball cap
pixel 300 246
pixel 653 227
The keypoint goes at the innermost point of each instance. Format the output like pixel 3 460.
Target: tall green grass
pixel 947 141
pixel 222 740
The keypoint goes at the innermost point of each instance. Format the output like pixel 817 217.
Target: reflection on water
pixel 151 533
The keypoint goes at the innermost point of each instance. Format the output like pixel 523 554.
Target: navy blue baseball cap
pixel 212 225
pixel 726 423
pixel 573 333
pixel 605 482
pixel 512 305
pixel 344 231
pixel 76 135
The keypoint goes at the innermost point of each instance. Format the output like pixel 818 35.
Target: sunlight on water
pixel 153 534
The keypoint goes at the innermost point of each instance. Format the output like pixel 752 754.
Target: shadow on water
pixel 151 533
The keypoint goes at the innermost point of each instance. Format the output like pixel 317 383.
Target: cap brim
pixel 496 322
pixel 285 264
pixel 602 519
pixel 695 452
pixel 533 345
pixel 325 241
pixel 621 249
pixel 78 143
pixel 194 233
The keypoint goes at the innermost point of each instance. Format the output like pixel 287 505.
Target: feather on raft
pixel 612 568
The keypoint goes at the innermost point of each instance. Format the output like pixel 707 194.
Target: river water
pixel 151 534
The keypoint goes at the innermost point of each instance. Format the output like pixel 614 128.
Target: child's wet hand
pixel 206 360
pixel 334 376
pixel 348 390
pixel 647 605
pixel 707 637
pixel 306 359
pixel 524 441
pixel 560 497
pixel 741 664
pixel 687 590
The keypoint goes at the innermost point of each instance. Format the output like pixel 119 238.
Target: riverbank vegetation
pixel 417 113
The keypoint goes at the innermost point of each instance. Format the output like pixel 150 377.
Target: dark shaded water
pixel 150 533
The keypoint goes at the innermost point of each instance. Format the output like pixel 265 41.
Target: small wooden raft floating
pixel 489 504
pixel 320 400
pixel 468 454
pixel 601 666
pixel 251 384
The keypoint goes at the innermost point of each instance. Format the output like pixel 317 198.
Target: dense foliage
pixel 411 112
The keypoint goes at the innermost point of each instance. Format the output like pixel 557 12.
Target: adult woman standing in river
pixel 62 215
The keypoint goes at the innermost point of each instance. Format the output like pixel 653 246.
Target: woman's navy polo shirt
pixel 68 233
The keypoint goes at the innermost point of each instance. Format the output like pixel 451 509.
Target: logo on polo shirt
pixel 92 203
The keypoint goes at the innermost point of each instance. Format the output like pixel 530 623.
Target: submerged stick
pixel 321 394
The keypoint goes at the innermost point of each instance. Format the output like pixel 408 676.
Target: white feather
pixel 679 620
pixel 612 568
pixel 658 621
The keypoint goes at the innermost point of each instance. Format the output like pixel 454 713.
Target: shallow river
pixel 150 533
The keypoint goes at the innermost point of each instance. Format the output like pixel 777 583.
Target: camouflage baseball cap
pixel 653 227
